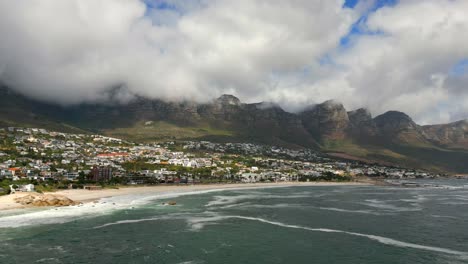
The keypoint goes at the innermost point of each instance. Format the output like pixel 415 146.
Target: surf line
pixel 380 239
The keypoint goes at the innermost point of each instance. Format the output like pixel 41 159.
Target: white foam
pixel 384 205
pixel 380 239
pixel 298 206
pixel 455 203
pixel 102 207
pixel 67 214
pixel 444 216
pixel 274 206
pixel 415 199
pixel 58 249
pixel 349 211
pixel 158 218
pixel 197 223
pixel 127 222
pixel 227 200
pixel 48 260
pixel 246 204
pixel 55 215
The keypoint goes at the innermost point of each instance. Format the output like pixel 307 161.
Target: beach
pixel 85 196
pixel 246 223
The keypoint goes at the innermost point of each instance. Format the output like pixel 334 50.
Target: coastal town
pixel 33 159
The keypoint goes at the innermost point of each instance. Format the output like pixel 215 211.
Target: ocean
pixel 307 224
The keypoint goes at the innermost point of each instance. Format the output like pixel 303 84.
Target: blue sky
pixel 461 68
pixel 357 28
pixel 159 5
pixel 378 4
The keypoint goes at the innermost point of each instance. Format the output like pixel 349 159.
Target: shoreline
pixel 86 196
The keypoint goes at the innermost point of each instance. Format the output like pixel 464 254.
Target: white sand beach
pixel 7 201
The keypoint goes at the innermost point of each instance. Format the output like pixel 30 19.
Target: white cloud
pixel 407 67
pixel 79 50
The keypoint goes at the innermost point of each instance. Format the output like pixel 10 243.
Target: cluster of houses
pixel 39 154
pixel 256 149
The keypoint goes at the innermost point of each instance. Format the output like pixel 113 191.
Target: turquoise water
pixel 336 224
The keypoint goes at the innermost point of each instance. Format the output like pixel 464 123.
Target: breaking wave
pixel 198 224
pixel 102 207
pixel 386 206
pixel 222 200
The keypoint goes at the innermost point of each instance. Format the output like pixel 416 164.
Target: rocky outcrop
pixel 361 123
pixel 328 120
pixel 393 122
pixel 453 135
pixel 399 128
pixel 266 120
pixel 45 200
pixel 225 108
pixel 227 99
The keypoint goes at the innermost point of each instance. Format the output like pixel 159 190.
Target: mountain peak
pixel 360 112
pixel 326 120
pixel 227 99
pixel 461 123
pixel 267 105
pixel 395 115
pixel 395 121
pixel 331 104
pixel 360 116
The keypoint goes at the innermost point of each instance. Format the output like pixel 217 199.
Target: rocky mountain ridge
pixel 327 126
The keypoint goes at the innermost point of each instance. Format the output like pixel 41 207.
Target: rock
pixel 227 99
pixel 454 135
pixel 361 122
pixel 393 122
pixel 328 120
pixel 28 199
pixel 45 200
pixel 172 203
pixel 40 203
pixel 399 128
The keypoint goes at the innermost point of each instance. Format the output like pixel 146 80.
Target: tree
pixel 81 177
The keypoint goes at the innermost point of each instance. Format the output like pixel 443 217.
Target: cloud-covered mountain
pixel 391 137
pixel 408 55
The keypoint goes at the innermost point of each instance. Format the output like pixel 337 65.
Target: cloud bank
pixel 409 55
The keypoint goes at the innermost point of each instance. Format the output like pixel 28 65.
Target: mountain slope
pixel 391 137
pixel 453 135
pixel 17 110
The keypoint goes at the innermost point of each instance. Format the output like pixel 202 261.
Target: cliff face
pixel 398 127
pixel 393 122
pixel 362 124
pixel 326 121
pixel 453 135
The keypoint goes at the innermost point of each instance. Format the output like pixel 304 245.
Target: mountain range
pixel 392 137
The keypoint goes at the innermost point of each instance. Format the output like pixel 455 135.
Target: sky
pixel 406 55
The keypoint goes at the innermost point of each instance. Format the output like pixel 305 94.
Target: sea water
pixel 316 224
